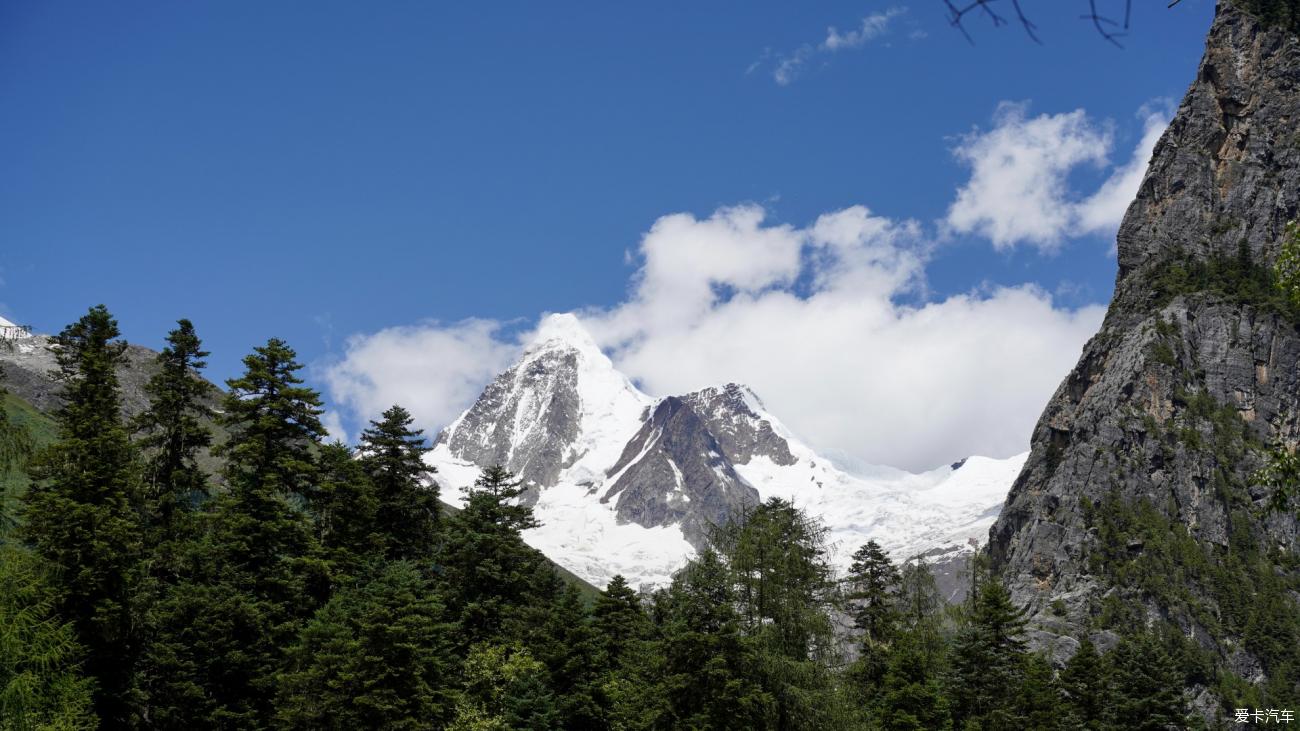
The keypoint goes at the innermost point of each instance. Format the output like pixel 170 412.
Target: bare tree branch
pixel 1107 27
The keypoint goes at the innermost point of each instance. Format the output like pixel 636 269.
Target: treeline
pixel 320 586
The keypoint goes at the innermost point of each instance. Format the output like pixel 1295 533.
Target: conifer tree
pixel 256 573
pixel 345 508
pixel 391 454
pixel 378 655
pixel 41 686
pixel 570 649
pixel 777 560
pixel 173 433
pixel 709 669
pixel 620 621
pixel 1085 688
pixel 872 588
pixel 491 576
pixel 81 511
pixel 912 696
pixel 630 693
pixel 1147 687
pixel 988 659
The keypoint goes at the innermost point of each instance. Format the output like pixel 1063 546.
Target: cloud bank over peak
pixel 810 317
pixel 829 321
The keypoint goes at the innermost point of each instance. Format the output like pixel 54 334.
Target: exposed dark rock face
pixel 527 419
pixel 675 471
pixel 741 432
pixel 1142 462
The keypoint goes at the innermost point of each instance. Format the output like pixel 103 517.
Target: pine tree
pixel 630 693
pixel 1085 688
pixel 777 559
pixel 376 656
pixel 256 573
pixel 391 454
pixel 710 677
pixel 989 659
pixel 570 648
pixel 912 696
pixel 1147 687
pixel 81 511
pixel 173 433
pixel 491 576
pixel 620 621
pixel 345 508
pixel 872 587
pixel 41 685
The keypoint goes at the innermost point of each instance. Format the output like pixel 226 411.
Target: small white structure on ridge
pixel 10 331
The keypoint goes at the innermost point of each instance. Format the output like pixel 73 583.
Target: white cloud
pixel 829 321
pixel 841 361
pixel 1019 191
pixel 431 369
pixel 871 27
pixel 789 66
pixel 1102 211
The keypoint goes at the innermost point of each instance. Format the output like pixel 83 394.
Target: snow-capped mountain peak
pixel 628 484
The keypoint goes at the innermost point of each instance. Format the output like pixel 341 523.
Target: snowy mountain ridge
pixel 625 483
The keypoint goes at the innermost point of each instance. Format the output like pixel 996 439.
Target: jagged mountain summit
pixel 625 483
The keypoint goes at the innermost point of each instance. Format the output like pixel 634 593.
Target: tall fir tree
pixel 872 593
pixel 988 661
pixel 570 647
pixel 776 557
pixel 1146 685
pixel 1085 688
pixel 345 508
pixel 82 511
pixel 173 433
pixel 378 655
pixel 256 572
pixel 41 684
pixel 492 577
pixel 391 453
pixel 710 674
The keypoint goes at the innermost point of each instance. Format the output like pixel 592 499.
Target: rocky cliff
pixel 1138 503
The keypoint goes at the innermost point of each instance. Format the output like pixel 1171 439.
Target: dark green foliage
pixel 1085 688
pixel 872 594
pixel 376 656
pixel 41 685
pixel 256 572
pixel 407 514
pixel 988 660
pixel 492 577
pixel 81 512
pixel 710 671
pixel 1237 279
pixel 173 433
pixel 345 508
pixel 570 648
pixel 1147 686
pixel 912 696
pixel 1281 13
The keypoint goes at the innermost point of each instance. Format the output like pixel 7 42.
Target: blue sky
pixel 319 170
